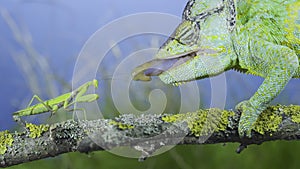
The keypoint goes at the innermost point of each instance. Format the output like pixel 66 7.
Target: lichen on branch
pixel 144 131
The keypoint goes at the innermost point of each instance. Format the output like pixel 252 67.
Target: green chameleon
pixel 259 37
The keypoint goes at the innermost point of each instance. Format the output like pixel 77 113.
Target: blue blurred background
pixel 40 41
pixel 39 44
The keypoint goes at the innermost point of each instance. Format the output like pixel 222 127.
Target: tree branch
pixel 145 133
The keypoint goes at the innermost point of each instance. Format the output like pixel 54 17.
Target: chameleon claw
pixel 245 129
pixel 248 117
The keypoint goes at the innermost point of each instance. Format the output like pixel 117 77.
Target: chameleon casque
pixel 259 37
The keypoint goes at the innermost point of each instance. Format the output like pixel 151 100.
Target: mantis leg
pixel 77 109
pixel 80 91
pixel 85 98
pixel 19 120
pixel 41 102
pixel 80 97
pixel 30 110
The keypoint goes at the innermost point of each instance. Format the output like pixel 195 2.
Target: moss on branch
pixel 146 133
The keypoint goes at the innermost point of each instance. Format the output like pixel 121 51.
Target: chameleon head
pixel 184 39
pixel 199 47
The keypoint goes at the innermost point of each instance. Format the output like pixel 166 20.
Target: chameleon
pixel 63 101
pixel 258 37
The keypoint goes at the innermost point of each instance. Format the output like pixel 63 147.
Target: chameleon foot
pixel 249 115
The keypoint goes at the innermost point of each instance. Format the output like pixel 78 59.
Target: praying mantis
pixel 63 101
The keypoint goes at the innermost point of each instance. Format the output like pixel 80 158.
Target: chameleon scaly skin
pixel 259 37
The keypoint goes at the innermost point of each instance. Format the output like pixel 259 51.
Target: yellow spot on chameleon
pixel 291 23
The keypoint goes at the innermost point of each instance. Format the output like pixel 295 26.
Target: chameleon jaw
pixel 160 66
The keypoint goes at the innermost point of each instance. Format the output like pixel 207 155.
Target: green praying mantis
pixel 63 101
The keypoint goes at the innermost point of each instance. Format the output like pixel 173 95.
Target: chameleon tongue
pixel 152 68
pixel 157 66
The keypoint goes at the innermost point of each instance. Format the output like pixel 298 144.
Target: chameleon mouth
pixel 156 67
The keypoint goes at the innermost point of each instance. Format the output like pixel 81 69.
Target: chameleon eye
pixel 189 33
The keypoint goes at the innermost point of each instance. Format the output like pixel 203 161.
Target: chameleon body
pixel 259 37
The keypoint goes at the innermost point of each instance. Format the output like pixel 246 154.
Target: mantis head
pixel 95 83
